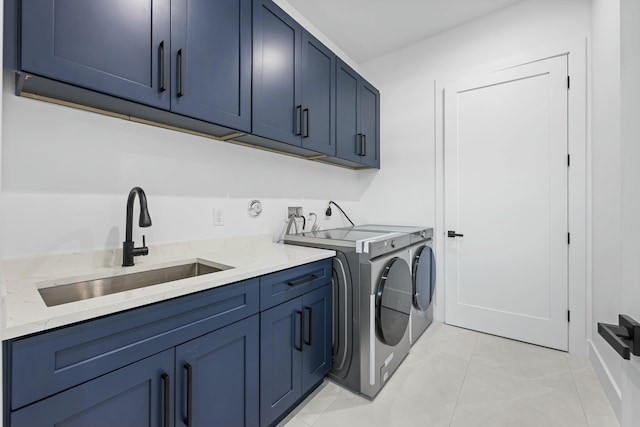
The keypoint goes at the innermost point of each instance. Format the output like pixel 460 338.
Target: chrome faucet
pixel 128 248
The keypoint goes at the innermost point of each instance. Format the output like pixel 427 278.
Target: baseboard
pixel 609 385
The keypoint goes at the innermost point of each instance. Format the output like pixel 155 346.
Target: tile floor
pixel 459 378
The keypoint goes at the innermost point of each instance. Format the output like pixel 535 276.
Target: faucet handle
pixel 142 250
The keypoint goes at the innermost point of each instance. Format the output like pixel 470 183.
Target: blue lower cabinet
pixel 140 394
pixel 207 359
pixel 295 351
pixel 218 379
pixel 280 359
pixel 316 355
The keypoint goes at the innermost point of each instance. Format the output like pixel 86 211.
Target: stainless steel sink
pixel 77 291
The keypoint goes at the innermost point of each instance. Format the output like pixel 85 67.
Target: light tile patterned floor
pixel 459 378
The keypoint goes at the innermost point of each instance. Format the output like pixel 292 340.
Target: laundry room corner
pixel 411 82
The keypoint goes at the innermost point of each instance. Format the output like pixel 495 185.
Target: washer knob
pixel 393 243
pixel 423 234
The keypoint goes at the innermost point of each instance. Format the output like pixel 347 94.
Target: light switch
pixel 218 217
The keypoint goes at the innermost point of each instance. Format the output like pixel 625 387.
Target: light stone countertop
pixel 24 312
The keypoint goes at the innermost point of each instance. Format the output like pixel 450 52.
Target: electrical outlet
pixel 296 210
pixel 218 217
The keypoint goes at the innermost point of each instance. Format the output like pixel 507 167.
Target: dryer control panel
pixel 391 243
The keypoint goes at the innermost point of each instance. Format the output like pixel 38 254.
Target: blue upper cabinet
pixel 118 47
pixel 238 69
pixel 191 57
pixel 318 92
pixel 277 70
pixel 347 113
pixel 211 61
pixel 293 82
pixel 357 117
pixel 370 124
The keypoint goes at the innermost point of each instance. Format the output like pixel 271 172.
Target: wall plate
pixel 295 211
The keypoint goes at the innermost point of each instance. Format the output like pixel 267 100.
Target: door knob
pixel 452 233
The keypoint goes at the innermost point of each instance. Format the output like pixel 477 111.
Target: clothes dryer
pixel 423 272
pixel 423 279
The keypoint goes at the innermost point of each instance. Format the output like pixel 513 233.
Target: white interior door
pixel 506 192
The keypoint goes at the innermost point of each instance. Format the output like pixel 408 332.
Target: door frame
pixel 579 200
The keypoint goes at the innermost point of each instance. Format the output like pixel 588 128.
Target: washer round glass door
pixel 393 301
pixel 424 277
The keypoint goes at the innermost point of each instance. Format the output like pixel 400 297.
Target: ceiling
pixel 366 29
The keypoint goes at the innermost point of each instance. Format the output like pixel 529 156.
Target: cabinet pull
pixel 163 69
pixel 363 151
pixel 359 144
pixel 309 312
pixel 299 337
pixel 303 281
pixel 306 123
pixel 298 120
pixel 181 71
pixel 167 399
pixel 189 420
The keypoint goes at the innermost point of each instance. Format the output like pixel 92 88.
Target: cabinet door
pixel 277 68
pixel 318 92
pixel 218 377
pixel 211 61
pixel 347 111
pixel 370 124
pixel 140 394
pixel 117 47
pixel 316 356
pixel 280 359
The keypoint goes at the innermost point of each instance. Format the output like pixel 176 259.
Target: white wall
pixel 405 79
pixel 616 193
pixel 630 153
pixel 302 20
pixel 66 175
pixel 404 190
pixel 607 189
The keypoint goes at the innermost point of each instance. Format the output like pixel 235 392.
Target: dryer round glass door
pixel 424 277
pixel 393 301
